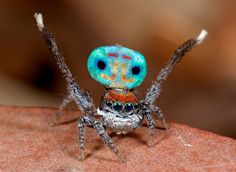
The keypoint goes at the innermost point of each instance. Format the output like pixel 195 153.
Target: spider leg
pixel 82 98
pixel 151 124
pixel 155 89
pixel 98 126
pixel 81 126
pixel 158 111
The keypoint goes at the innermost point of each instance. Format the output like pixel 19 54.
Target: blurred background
pixel 201 90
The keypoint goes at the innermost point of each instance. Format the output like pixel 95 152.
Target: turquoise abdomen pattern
pixel 117 67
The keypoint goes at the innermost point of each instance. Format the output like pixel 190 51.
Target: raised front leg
pixel 155 89
pixel 97 125
pixel 82 98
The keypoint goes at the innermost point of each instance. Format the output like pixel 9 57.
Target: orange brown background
pixel 201 91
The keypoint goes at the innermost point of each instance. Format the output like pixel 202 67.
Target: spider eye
pixel 128 107
pixel 117 106
pixel 135 70
pixel 109 103
pixel 101 64
pixel 136 106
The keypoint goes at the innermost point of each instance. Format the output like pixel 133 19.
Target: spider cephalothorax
pixel 120 110
pixel 120 100
pixel 119 70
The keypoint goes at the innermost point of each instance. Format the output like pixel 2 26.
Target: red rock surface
pixel 28 143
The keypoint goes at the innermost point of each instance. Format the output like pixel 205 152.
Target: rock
pixel 29 143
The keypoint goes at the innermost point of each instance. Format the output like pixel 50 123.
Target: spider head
pixel 117 67
pixel 120 101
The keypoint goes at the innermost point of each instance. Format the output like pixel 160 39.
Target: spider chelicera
pixel 119 70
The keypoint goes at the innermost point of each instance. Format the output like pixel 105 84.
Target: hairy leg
pixel 160 115
pixel 82 98
pixel 81 127
pixel 151 124
pixel 97 125
pixel 155 89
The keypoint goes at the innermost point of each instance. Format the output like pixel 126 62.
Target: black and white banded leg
pixel 160 115
pixel 151 125
pixel 88 121
pixel 82 99
pixel 155 89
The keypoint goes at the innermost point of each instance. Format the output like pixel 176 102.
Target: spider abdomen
pixel 117 67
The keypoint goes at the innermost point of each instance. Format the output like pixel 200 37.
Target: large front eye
pixel 117 106
pixel 128 107
pixel 101 64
